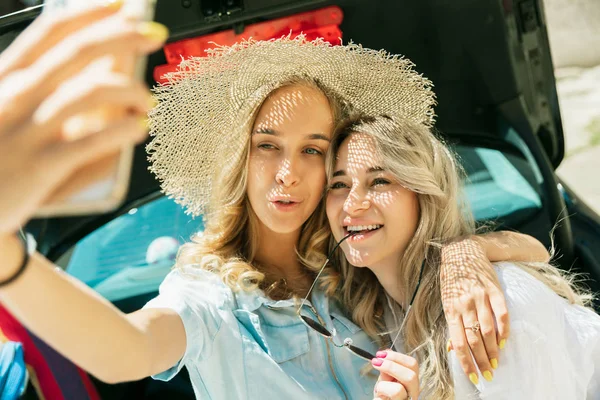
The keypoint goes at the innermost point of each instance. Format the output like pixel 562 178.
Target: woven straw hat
pixel 201 123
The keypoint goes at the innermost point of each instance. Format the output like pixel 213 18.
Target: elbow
pixel 110 379
pixel 118 375
pixel 515 246
pixel 540 253
pixel 545 255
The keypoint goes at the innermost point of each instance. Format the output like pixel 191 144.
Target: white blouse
pixel 553 351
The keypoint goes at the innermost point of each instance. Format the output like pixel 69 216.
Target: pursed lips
pixel 285 199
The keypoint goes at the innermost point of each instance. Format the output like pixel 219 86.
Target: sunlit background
pixel 574 31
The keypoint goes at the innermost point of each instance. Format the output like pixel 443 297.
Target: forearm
pixel 72 318
pixel 512 246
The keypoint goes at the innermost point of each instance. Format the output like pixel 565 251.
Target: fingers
pixel 485 344
pixel 73 54
pixel 474 298
pixel 488 332
pixel 35 170
pixel 50 80
pixel 404 369
pixel 399 358
pixel 45 32
pixel 391 390
pixel 460 345
pixel 83 95
pixel 75 154
pixel 498 305
pixel 29 87
pixel 476 344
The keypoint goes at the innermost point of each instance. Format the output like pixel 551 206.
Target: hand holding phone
pixel 45 88
pixel 101 185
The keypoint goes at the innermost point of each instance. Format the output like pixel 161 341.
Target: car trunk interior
pixel 489 61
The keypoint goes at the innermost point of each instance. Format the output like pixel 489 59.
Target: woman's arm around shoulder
pixel 472 297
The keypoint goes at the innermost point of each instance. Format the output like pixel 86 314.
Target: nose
pixel 287 175
pixel 356 202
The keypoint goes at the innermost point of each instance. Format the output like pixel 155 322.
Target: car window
pixel 132 254
pixel 500 185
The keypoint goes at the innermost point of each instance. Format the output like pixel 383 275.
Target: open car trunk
pixel 497 105
pixel 489 61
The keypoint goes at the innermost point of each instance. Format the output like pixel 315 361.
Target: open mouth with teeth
pixel 361 229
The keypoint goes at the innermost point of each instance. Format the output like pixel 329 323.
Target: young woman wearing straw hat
pixel 396 176
pixel 240 137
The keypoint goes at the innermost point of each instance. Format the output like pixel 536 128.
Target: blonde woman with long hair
pixel 395 191
pixel 240 137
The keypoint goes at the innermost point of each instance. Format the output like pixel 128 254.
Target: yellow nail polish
pixel 448 345
pixel 488 376
pixel 154 31
pixel 152 102
pixel 502 344
pixel 474 378
pixel 114 4
pixel 144 123
pixel 494 362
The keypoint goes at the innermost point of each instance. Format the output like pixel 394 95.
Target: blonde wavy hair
pixel 227 246
pixel 422 163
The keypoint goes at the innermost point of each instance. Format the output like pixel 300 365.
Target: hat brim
pixel 203 106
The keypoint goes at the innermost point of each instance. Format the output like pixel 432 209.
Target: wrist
pixel 465 246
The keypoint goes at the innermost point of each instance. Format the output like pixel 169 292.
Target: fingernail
pixel 114 4
pixel 154 31
pixel 502 344
pixel 381 354
pixel 152 102
pixel 474 378
pixel 377 362
pixel 144 123
pixel 488 376
pixel 494 362
pixel 449 345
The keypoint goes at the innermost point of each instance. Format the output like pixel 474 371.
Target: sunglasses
pixel 309 316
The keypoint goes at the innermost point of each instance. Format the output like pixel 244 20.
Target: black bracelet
pixel 24 241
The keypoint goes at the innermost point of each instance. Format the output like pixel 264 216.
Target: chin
pixel 359 265
pixel 358 259
pixel 284 227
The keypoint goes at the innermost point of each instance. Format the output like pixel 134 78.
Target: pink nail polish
pixel 377 362
pixel 381 354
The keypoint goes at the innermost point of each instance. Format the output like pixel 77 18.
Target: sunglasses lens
pixel 316 326
pixel 360 352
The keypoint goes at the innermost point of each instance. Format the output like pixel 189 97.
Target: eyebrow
pixel 312 136
pixel 371 170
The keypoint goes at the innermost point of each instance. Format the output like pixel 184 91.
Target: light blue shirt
pixel 246 346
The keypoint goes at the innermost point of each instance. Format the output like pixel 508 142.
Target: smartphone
pixel 102 185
